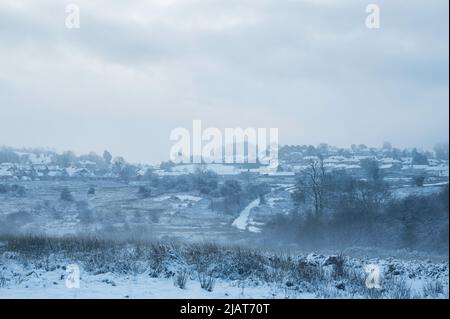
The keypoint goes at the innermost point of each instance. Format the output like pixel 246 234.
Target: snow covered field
pixel 146 259
pixel 171 270
pixel 117 209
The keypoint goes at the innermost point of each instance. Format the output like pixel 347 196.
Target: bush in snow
pixel 144 192
pixel 231 190
pixel 418 180
pixel 66 195
pixel 3 188
pixel 433 289
pixel 206 281
pixel 181 279
pixel 205 181
pixel 338 263
pixel 17 190
pixel 291 272
pixel 397 288
pixel 2 281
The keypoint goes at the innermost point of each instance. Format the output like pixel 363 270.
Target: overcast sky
pixel 135 70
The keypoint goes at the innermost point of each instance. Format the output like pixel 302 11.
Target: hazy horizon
pixel 100 152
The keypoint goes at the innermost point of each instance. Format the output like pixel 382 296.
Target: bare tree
pixel 312 185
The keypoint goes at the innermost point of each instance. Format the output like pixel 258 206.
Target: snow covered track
pixel 242 221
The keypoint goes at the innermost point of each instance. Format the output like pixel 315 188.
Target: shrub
pixel 2 281
pixel 397 288
pixel 307 270
pixel 66 195
pixel 419 180
pixel 206 281
pixel 144 192
pixel 20 191
pixel 3 189
pixel 206 181
pixel 433 289
pixel 338 263
pixel 231 190
pixel 181 279
pixel 16 189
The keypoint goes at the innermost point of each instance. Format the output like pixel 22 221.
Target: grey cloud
pixel 308 67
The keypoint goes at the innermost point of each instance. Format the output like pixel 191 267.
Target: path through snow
pixel 242 221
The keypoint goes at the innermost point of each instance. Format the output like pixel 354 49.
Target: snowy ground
pixel 50 285
pixel 146 271
pixel 117 208
pixel 27 271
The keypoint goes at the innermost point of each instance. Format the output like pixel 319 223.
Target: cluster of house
pixel 41 171
pixel 393 164
pixel 389 165
pixel 292 160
